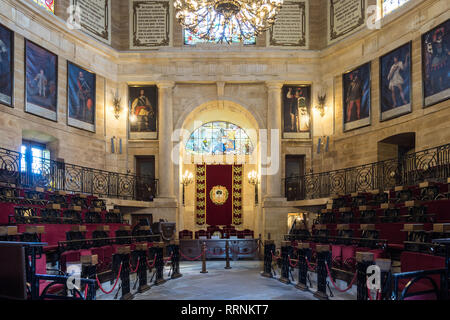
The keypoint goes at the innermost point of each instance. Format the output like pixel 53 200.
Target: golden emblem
pixel 218 195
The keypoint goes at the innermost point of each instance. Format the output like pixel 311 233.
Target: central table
pixel 215 248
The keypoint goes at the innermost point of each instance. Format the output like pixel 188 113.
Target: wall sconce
pixel 116 105
pixel 321 107
pixel 253 179
pixel 186 180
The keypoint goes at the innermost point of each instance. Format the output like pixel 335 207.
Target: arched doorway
pixel 209 116
pixel 396 146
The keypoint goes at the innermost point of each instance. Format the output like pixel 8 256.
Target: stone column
pixel 166 178
pixel 274 122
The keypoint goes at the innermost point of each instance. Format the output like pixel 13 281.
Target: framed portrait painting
pixel 296 111
pixel 41 78
pixel 143 116
pixel 356 98
pixel 80 97
pixel 436 64
pixel 6 66
pixel 395 83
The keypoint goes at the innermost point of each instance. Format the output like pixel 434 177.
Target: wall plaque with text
pixel 291 25
pixel 149 24
pixel 345 17
pixel 95 18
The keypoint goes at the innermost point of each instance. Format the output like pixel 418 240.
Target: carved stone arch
pixel 196 103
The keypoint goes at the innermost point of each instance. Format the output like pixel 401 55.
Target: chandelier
pixel 227 20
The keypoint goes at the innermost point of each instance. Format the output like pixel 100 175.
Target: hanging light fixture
pixel 227 20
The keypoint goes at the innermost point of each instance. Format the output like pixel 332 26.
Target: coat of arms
pixel 219 195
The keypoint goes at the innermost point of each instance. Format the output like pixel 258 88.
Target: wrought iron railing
pixel 430 164
pixel 55 175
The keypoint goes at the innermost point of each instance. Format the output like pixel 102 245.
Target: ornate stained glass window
pixel 192 39
pixel 47 4
pixel 391 5
pixel 219 138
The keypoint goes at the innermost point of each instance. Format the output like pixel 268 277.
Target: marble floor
pixel 242 282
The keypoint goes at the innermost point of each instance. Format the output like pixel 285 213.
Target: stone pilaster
pixel 274 123
pixel 166 178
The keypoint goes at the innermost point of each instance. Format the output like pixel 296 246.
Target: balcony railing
pixel 55 175
pixel 430 164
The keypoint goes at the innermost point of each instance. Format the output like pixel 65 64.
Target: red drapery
pixel 219 176
pixel 219 194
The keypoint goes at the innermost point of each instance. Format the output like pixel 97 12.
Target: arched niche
pixel 396 146
pixel 51 142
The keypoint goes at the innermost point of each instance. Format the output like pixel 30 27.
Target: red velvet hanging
pixel 219 194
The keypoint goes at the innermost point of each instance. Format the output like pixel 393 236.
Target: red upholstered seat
pixel 415 261
pixel 396 246
pixel 248 232
pixel 184 234
pixel 57 232
pixel 101 258
pixel 115 246
pixel 232 233
pixel 6 209
pixel 412 261
pixel 41 268
pixel 336 254
pixel 212 229
pixel 72 256
pixel 312 245
pixel 348 256
pixel 377 253
pixel 107 256
pixel 227 231
pixel 202 233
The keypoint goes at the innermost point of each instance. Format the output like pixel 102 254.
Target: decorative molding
pixel 220 89
pixel 165 84
pixel 274 85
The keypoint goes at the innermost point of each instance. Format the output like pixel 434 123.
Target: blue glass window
pixel 219 138
pixel 40 158
pixel 391 5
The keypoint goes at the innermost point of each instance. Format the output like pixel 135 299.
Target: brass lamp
pixel 321 107
pixel 186 180
pixel 253 179
pixel 116 105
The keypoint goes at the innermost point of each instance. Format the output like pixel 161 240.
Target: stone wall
pixel 430 124
pixel 121 23
pixel 16 123
pixel 210 74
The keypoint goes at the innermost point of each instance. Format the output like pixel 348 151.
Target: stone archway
pixel 218 110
